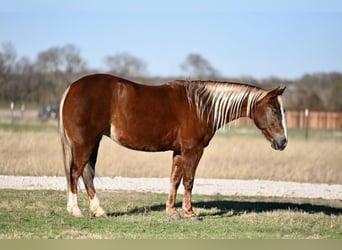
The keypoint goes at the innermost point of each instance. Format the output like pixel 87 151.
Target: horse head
pixel 269 117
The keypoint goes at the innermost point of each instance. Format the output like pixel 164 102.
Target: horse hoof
pixel 77 214
pixel 99 213
pixel 104 215
pixel 75 211
pixel 175 217
pixel 195 219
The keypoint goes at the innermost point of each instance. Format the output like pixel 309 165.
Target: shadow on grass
pixel 240 207
pixel 236 208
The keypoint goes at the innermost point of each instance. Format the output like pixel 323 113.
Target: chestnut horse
pixel 181 116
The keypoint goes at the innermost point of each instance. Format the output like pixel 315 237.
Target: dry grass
pixel 39 153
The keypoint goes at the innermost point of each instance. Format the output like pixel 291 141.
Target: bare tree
pixel 58 65
pixel 126 65
pixel 72 60
pixel 64 59
pixel 8 86
pixel 49 60
pixel 8 56
pixel 197 66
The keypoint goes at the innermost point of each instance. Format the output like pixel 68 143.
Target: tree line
pixel 41 82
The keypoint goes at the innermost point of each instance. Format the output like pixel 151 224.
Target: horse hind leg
pixel 88 179
pixel 72 205
pixel 80 157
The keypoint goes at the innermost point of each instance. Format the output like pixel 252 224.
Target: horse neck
pixel 220 103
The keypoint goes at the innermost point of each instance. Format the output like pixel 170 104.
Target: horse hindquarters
pixel 80 149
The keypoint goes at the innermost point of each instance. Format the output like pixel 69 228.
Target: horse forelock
pixel 222 100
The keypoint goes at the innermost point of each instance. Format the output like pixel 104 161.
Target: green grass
pixel 42 214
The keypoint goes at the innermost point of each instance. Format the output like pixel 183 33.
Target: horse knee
pixel 188 183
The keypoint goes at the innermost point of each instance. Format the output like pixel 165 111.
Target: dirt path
pixel 202 186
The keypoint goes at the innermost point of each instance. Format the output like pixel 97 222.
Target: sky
pixel 259 39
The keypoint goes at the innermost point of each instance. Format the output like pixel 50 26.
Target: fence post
pixel 12 112
pixel 306 123
pixel 22 110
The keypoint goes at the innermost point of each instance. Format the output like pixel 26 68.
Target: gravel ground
pixel 202 186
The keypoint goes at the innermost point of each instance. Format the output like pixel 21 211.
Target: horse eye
pixel 276 111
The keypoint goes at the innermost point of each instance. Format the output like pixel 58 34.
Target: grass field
pixel 42 214
pixel 239 154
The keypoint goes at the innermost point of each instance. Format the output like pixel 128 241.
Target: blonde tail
pixel 65 141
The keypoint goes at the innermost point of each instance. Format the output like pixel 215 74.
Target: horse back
pixel 148 118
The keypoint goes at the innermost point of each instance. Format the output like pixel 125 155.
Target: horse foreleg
pixel 175 179
pixel 191 160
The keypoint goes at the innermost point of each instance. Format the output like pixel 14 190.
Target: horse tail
pixel 65 141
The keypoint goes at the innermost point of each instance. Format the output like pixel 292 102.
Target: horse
pixel 180 116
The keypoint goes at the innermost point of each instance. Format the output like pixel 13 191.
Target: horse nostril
pixel 283 144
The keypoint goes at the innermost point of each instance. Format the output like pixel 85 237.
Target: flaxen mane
pixel 222 100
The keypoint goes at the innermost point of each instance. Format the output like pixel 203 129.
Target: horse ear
pixel 281 90
pixel 275 92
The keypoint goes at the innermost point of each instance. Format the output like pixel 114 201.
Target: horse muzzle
pixel 279 144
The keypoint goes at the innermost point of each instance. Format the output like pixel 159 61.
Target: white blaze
pixel 282 116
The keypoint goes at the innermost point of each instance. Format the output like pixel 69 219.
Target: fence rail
pixel 314 119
